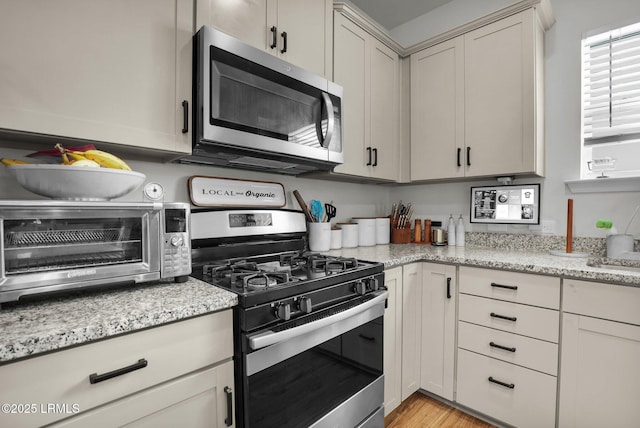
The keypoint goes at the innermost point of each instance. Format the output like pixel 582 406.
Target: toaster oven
pixel 50 246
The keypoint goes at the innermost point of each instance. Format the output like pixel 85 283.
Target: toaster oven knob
pixel 304 304
pixel 176 241
pixel 283 311
pixel 360 288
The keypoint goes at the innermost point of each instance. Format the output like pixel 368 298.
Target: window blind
pixel 611 86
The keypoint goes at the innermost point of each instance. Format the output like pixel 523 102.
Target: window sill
pixel 603 185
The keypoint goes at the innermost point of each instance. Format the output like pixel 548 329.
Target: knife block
pixel 401 236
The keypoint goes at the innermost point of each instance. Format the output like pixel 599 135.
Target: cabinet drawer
pixel 521 350
pixel 520 319
pixel 62 377
pixel 536 290
pixel 531 402
pixel 612 302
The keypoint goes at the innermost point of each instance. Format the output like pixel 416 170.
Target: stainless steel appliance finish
pixel 52 246
pixel 308 327
pixel 256 111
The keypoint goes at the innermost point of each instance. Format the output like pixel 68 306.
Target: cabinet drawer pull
pixel 274 37
pixel 506 385
pixel 508 287
pixel 228 421
pixel 495 345
pixel 503 317
pixel 95 377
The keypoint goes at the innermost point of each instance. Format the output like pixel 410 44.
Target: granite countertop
pixel 52 323
pixel 535 262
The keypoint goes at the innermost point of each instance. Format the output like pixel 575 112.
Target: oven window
pixel 300 390
pixel 38 245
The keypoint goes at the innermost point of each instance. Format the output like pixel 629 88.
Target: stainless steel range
pixel 308 327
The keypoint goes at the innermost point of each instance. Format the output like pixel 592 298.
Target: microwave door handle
pixel 331 122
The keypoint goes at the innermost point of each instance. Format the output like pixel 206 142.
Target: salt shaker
pixel 451 231
pixel 417 236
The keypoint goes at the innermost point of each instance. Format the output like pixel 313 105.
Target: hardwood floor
pixel 419 411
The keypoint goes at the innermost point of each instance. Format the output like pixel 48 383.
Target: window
pixel 611 103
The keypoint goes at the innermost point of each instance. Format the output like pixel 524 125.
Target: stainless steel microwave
pixel 255 111
pixel 52 246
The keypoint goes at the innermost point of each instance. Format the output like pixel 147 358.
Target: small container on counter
pixel 417 231
pixel 336 238
pixel 383 230
pixel 366 231
pixel 319 236
pixel 349 234
pixel 427 231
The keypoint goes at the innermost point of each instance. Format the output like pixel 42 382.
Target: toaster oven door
pixel 61 249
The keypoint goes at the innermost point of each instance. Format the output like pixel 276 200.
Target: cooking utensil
pixel 316 210
pixel 330 210
pixel 303 205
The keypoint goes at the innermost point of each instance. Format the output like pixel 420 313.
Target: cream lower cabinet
pixel 508 335
pixel 438 329
pixel 168 374
pixel 298 31
pixel 393 340
pixel 107 71
pixel 369 72
pixel 411 327
pixel 599 375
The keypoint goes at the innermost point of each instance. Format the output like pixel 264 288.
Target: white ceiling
pixel 391 13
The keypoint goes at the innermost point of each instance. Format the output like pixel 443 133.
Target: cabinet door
pixel 200 398
pixel 599 376
pixel 245 20
pixel 308 26
pixel 384 89
pixel 411 328
pixel 352 71
pixel 500 96
pixel 439 294
pixel 393 340
pixel 113 71
pixel 437 111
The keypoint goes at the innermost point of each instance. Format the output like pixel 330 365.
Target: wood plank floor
pixel 419 411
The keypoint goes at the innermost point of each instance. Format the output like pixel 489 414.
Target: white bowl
pixel 76 183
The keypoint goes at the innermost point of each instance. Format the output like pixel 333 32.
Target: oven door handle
pixel 269 337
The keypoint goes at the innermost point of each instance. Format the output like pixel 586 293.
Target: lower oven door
pixel 329 376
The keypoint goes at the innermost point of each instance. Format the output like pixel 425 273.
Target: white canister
pixel 336 239
pixel 319 236
pixel 349 235
pixel 366 231
pixel 383 230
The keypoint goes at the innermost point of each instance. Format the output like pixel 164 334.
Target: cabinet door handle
pixel 459 153
pixel 95 377
pixel 369 338
pixel 375 157
pixel 185 118
pixel 468 156
pixel 506 385
pixel 495 345
pixel 228 421
pixel 284 42
pixel 503 317
pixel 508 287
pixel 369 152
pixel 274 37
pixel 448 287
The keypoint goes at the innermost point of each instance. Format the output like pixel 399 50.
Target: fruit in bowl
pixel 89 175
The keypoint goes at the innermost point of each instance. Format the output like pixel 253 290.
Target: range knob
pixel 373 284
pixel 176 241
pixel 304 304
pixel 283 311
pixel 360 288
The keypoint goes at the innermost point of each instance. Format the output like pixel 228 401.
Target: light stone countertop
pixel 53 323
pixel 520 261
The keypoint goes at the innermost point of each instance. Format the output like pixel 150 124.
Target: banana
pixel 10 162
pixel 86 163
pixel 63 154
pixel 105 159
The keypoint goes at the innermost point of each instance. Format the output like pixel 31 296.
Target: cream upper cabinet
pixel 438 329
pixel 108 71
pixel 298 31
pixel 369 71
pixel 599 376
pixel 477 102
pixel 393 340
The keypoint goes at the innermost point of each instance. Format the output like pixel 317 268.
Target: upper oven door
pixel 62 246
pixel 253 100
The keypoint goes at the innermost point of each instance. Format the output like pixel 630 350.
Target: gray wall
pixel 436 201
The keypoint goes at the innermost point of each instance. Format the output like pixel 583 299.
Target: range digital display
pixel 506 204
pixel 250 219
